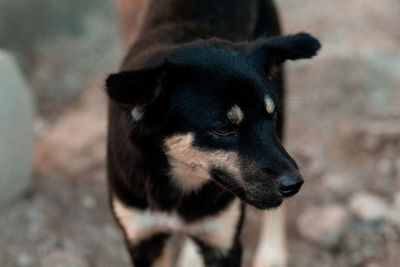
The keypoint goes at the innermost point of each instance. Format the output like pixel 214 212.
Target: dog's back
pixel 171 22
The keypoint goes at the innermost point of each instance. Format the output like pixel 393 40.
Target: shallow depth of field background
pixel 343 127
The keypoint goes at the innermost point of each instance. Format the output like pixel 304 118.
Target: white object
pixel 16 130
pixel 368 207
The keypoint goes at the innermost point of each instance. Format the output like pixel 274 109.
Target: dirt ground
pixel 343 127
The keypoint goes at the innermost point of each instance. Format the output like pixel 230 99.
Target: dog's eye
pixel 225 130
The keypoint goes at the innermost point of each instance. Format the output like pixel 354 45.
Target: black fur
pixel 213 258
pixel 144 253
pixel 190 64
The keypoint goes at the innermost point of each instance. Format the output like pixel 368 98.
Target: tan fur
pixel 269 104
pixel 137 114
pixel 188 177
pixel 217 230
pixel 191 165
pixel 235 115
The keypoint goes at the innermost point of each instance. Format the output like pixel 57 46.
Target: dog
pixel 195 122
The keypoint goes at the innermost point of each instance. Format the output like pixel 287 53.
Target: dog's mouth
pixel 263 205
pixel 267 201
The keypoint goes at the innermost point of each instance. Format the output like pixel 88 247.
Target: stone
pixel 369 143
pixel 24 260
pixel 397 166
pixel 396 201
pixel 386 168
pixel 63 259
pixel 389 233
pixel 382 131
pixel 340 184
pixel 112 233
pixel 368 207
pixel 16 130
pixel 394 214
pixel 88 202
pixel 323 225
pixel 373 264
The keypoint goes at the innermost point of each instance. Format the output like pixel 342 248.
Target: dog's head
pixel 210 105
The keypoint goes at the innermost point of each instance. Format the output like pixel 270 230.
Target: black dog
pixel 195 119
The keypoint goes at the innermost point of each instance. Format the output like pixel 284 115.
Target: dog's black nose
pixel 290 184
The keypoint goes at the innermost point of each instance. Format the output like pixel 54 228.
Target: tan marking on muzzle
pixel 190 166
pixel 235 115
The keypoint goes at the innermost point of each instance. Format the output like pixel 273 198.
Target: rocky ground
pixel 343 128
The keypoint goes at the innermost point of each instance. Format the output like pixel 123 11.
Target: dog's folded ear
pixel 271 52
pixel 135 87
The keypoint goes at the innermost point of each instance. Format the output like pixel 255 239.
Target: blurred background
pixel 343 127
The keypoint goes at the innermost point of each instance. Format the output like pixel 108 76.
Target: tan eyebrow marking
pixel 235 115
pixel 136 114
pixel 269 104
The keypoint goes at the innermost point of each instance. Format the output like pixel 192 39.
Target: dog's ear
pixel 135 87
pixel 269 53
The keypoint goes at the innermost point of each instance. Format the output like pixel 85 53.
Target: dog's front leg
pixel 189 255
pixel 217 238
pixel 271 250
pixel 144 235
pixel 150 252
pixel 210 256
pixel 215 257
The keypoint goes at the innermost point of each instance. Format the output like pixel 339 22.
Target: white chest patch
pixel 217 230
